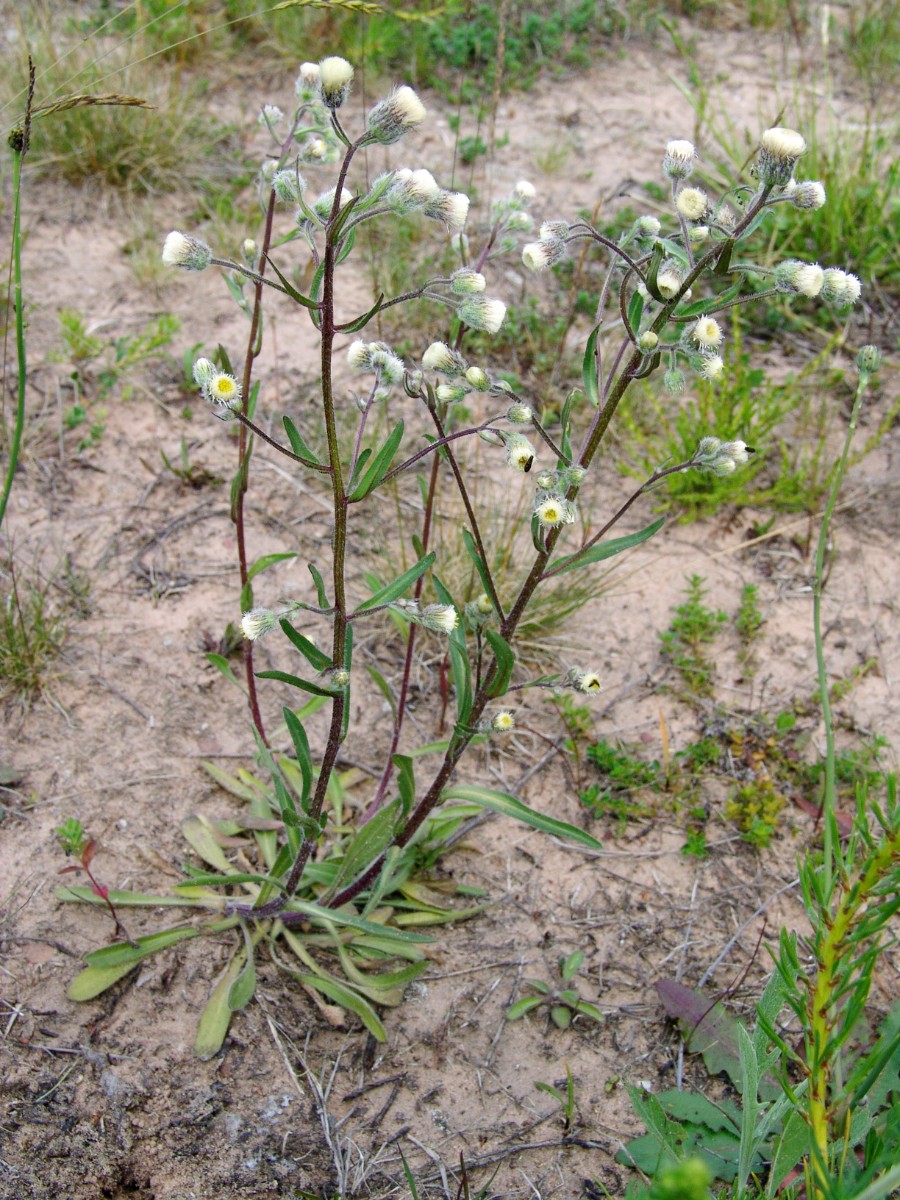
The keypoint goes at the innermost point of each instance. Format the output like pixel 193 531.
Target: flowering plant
pixel 335 897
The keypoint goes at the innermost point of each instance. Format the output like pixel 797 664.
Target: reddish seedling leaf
pixel 68 870
pixel 844 819
pixel 100 890
pixel 88 853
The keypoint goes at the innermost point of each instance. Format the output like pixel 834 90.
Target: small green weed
pixel 755 809
pixel 191 474
pixel 101 366
pixel 562 1003
pixel 692 628
pixel 748 623
pixel 31 635
pixel 566 1101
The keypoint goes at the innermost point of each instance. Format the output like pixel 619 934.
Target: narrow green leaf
pixel 291 290
pixel 224 667
pixel 123 954
pixel 362 321
pixel 266 561
pixel 86 895
pixel 501 802
pixel 506 660
pixel 303 684
pixel 711 303
pixel 604 549
pixel 216 1016
pixel 302 751
pixel 93 981
pixel 369 841
pixel 201 837
pixel 313 655
pixel 241 991
pixel 521 1007
pixel 348 999
pixel 406 783
pixel 383 686
pixel 395 590
pixel 480 566
pixel 319 582
pixel 298 445
pixel 459 659
pixel 635 311
pixel 589 368
pixel 379 465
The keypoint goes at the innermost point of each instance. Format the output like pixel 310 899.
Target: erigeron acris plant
pixel 334 904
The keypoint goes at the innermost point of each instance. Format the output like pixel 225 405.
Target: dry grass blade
pixel 82 101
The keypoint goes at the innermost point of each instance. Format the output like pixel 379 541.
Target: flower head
pixel 721 458
pixel 668 280
pixel 779 149
pixel 679 159
pixel 257 623
pixel 222 388
pixel 587 682
pixel 648 226
pixel 189 253
pixel 306 86
pixel 795 276
pixel 478 379
pixel 390 119
pixel 519 452
pixel 450 207
pixel 840 288
pixel 335 77
pixel 674 381
pixel 502 722
pixel 484 604
pixel 250 252
pixel 519 222
pixel 707 332
pixel 360 355
pixel 712 367
pixel 554 511
pixel 538 255
pixel 808 195
pixel 520 414
pixel 692 203
pixel 524 190
pixel 481 313
pixel 441 618
pixel 325 203
pixel 439 357
pixel 270 117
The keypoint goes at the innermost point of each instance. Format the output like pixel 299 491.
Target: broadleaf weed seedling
pixel 563 1003
pixel 692 629
pixel 334 897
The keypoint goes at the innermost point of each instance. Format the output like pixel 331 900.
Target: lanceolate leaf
pixel 506 660
pixel 379 465
pixel 511 807
pixel 589 368
pixel 313 655
pixel 298 445
pixel 216 1017
pixel 459 659
pixel 348 999
pixel 472 550
pixel 267 560
pixel 319 582
pixel 603 550
pixel 395 590
pixel 303 684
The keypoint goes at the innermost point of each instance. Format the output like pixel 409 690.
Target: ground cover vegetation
pixel 426 386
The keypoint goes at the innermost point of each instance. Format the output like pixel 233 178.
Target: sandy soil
pixel 105 1099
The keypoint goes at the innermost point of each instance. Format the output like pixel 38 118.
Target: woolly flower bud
pixel 722 458
pixel 795 276
pixel 390 119
pixel 450 393
pixel 390 368
pixel 679 159
pixel 739 451
pixel 315 150
pixel 250 252
pixel 707 332
pixel 502 722
pixel 840 288
pixel 712 367
pixel 336 677
pixel 222 388
pixel 698 233
pixel 335 76
pixel 519 222
pixel 575 475
pixel 668 281
pixel 648 226
pixel 554 231
pixel 583 681
pixel 484 604
pixel 203 371
pixel 648 341
pixel 258 622
pixel 480 313
pixel 692 203
pixel 325 203
pixel 779 150
pixel 420 186
pixel 467 283
pixel 307 83
pixel 270 117
pixel 478 379
pixel 189 253
pixel 288 185
pixel 553 511
pixel 439 357
pixel 450 207
pixel 524 190
pixel 674 382
pixel 547 481
pixel 360 355
pixel 520 414
pixel 441 618
pixel 808 195
pixel 868 360
pixel 519 452
pixel 538 255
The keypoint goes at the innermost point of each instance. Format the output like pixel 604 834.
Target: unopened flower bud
pixel 250 253
pixel 524 190
pixel 450 207
pixel 308 79
pixel 257 623
pixel 481 313
pixel 484 604
pixel 288 185
pixel 450 393
pixel 548 481
pixel 648 227
pixel 389 367
pixel 674 382
pixel 668 280
pixel 519 222
pixel 808 195
pixel 520 414
pixel 537 256
pixel 439 357
pixel 335 77
pixel 840 288
pixel 648 341
pixel 868 360
pixel 698 234
pixel 390 119
pixel 325 203
pixel 478 379
pixel 678 162
pixel 359 355
pixel 575 475
pixel 189 253
pixel 271 117
pixel 795 276
pixel 203 371
pixel 467 283
pixel 441 618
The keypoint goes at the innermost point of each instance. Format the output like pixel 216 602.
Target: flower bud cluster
pixel 837 287
pixel 721 458
pixel 440 618
pixel 377 358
